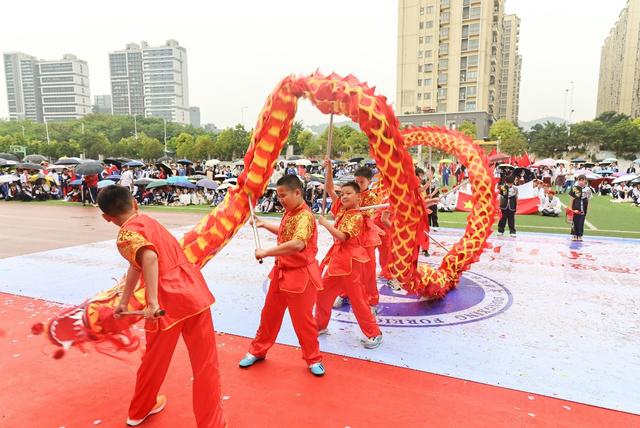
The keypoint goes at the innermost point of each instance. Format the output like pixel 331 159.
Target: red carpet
pixel 94 389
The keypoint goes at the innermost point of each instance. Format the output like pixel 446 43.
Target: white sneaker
pixel 435 229
pixel 373 342
pixel 394 284
pixel 161 402
pixel 323 331
pixel 339 302
pixel 500 233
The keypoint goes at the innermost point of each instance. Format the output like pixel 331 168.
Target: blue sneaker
pixel 317 369
pixel 249 360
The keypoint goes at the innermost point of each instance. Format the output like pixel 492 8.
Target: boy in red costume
pixel 295 278
pixel 345 262
pixel 177 286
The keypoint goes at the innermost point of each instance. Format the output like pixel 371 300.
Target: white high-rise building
pixel 64 87
pixel 47 90
pixel 152 81
pixel 23 86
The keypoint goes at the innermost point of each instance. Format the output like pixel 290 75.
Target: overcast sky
pixel 238 51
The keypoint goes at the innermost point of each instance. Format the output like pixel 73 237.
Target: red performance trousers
pixel 384 251
pixel 369 277
pixel 352 286
pixel 197 332
pixel 300 307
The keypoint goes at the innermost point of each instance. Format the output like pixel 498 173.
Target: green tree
pixel 624 139
pixel 296 129
pixel 549 140
pixel 504 130
pixel 232 143
pixel 610 118
pixel 468 128
pixel 514 146
pixel 151 149
pixel 588 136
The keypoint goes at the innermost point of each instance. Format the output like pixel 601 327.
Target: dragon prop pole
pixel 256 237
pixel 329 143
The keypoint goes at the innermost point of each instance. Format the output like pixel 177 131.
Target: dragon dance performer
pixel 177 286
pixel 345 262
pixel 384 219
pixel 295 278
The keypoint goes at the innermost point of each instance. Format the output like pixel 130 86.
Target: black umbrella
pixel 357 159
pixel 3 162
pixel 528 174
pixel 294 158
pixel 184 161
pixel 163 159
pixel 28 166
pixel 9 156
pixel 89 168
pixel 578 160
pixel 34 158
pixel 116 161
pixel 68 161
pixel 165 168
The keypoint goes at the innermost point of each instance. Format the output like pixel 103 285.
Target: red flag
pixel 464 202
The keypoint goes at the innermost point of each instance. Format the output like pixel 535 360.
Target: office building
pixel 619 82
pixel 450 54
pixel 151 81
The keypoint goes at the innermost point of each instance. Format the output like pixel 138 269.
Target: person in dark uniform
pixel 432 193
pixel 580 194
pixel 508 193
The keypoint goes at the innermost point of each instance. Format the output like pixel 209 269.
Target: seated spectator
pixel 550 206
pixel 447 201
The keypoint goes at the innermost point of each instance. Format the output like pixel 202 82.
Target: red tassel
pixel 58 354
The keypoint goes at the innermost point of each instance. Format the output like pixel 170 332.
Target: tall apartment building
pixel 102 104
pixel 511 66
pixel 47 90
pixel 127 85
pixel 151 81
pixel 64 85
pixel 23 86
pixel 449 62
pixel 619 82
pixel 194 115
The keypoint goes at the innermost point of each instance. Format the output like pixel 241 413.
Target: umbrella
pixel 356 159
pixel 143 181
pixel 58 167
pixel 134 163
pixel 197 177
pixel 177 179
pixel 8 178
pixel 303 162
pixel 4 162
pixel 186 184
pixel 505 165
pixel 637 161
pixel 545 162
pixel 105 183
pixel 593 176
pixel 446 161
pixel 636 181
pixel 578 160
pixel 28 166
pixel 562 161
pixel 207 184
pixel 184 161
pixel 239 163
pixel 624 178
pixel 114 177
pixel 76 182
pixel 581 172
pixel 588 164
pixel 165 168
pixel 157 183
pixel 220 177
pixel 498 157
pixel 40 176
pixel 68 161
pixel 163 159
pixel 231 180
pixel 224 186
pixel 116 161
pixel 315 183
pixel 89 168
pixel 369 162
pixel 9 156
pixel 610 160
pixel 34 158
pixel 317 177
pixel 212 162
pixel 294 158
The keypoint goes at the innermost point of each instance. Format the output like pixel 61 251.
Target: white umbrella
pixel 593 176
pixel 625 178
pixel 8 178
pixel 563 161
pixel 545 162
pixel 212 162
pixel 303 162
pixel 224 186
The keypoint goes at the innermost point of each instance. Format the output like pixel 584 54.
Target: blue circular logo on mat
pixel 476 298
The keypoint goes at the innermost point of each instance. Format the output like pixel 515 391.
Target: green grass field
pixel 604 217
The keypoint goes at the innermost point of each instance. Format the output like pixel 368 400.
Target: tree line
pixel 115 136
